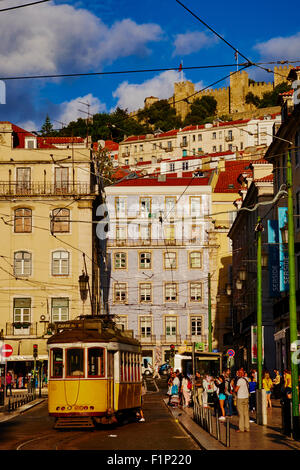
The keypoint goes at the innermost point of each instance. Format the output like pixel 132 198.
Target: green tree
pixel 47 128
pixel 160 115
pixel 270 98
pixel 202 110
pixel 252 99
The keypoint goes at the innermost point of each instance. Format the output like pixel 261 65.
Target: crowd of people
pixel 228 394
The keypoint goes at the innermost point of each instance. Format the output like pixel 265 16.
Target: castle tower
pixel 181 91
pixel 239 83
pixel 281 73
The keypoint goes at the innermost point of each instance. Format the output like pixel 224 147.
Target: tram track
pixel 55 443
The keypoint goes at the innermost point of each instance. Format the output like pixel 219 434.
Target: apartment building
pixel 158 259
pixel 216 137
pixel 47 201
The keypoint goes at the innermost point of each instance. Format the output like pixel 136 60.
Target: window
pixel 170 292
pixel 60 309
pixel 145 232
pixel 170 205
pixel 229 135
pixel 75 362
pixel 126 161
pixel 196 232
pixel 146 327
pixel 184 140
pixel 145 292
pixel 172 166
pixel 23 221
pixel 199 137
pixel 120 206
pixel 120 292
pixel 169 145
pixel 220 148
pixel 214 135
pixel 120 260
pixel 241 145
pixel 214 149
pixel 22 263
pixel 184 154
pixel 121 232
pixel 122 321
pixel 195 206
pixel 195 259
pixel 22 310
pixel 57 363
pixel 153 146
pixel 60 220
pixel 170 260
pixel 61 179
pixel 169 231
pixel 185 165
pixel 135 148
pixel 96 362
pixel 196 326
pixel 145 260
pixel 141 148
pixel 195 292
pixel 30 143
pixel 60 263
pixel 170 326
pixel 230 147
pixel 145 206
pixel 23 180
pixel 194 138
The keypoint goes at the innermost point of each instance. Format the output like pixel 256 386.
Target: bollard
pixel 227 432
pixel 217 426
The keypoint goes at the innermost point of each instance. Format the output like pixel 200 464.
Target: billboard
pixel 254 344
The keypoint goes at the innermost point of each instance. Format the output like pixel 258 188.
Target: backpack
pixel 189 385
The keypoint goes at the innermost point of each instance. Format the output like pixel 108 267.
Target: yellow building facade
pixel 47 198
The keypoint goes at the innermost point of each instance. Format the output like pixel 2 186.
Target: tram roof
pixel 88 332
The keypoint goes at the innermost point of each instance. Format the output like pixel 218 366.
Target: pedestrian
pixel 186 391
pixel 156 371
pixel 277 384
pixel 252 391
pixel 228 392
pixel 220 383
pixel 143 393
pixel 8 382
pixel 208 389
pixel 198 388
pixel 267 386
pixel 287 381
pixel 20 381
pixel 242 401
pixel 170 384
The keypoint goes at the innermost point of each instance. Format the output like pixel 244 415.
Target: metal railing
pixel 154 242
pixel 13 188
pixel 15 401
pixel 203 416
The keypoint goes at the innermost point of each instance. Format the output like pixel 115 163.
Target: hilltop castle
pixel 231 99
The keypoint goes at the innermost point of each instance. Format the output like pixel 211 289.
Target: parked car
pixel 164 368
pixel 147 369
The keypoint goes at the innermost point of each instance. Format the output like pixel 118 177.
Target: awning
pixel 26 358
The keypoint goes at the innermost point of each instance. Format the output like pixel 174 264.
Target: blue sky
pixel 88 36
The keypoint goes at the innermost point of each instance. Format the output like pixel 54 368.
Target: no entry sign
pixel 6 350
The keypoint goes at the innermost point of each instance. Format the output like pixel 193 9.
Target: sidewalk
pixel 266 437
pixel 8 415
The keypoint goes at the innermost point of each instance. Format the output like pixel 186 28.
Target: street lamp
pixel 243 275
pixel 228 289
pixel 83 288
pixel 239 284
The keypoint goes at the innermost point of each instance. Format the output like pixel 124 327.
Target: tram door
pixel 110 379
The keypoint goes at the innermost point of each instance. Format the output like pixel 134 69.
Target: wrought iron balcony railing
pixel 9 188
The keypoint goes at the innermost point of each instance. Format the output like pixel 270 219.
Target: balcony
pixel 229 138
pixel 155 242
pixel 45 189
pixel 147 339
pixel 21 329
pixel 197 339
pixel 170 339
pixel 169 149
pixel 183 144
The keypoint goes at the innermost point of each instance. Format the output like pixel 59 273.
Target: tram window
pixel 75 363
pixel 57 363
pixel 122 367
pixel 96 362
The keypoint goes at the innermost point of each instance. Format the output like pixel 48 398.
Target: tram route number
pixel 153 459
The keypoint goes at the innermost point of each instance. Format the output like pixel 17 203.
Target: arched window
pixel 22 263
pixel 23 221
pixel 60 220
pixel 60 263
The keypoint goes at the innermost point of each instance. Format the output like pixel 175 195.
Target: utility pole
pixel 259 229
pixel 209 316
pixel 292 296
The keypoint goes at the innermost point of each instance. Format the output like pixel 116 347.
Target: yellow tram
pixel 94 373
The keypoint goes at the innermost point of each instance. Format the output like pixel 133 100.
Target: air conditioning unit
pixel 44 318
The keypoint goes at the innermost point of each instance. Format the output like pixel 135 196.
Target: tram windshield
pixel 57 363
pixel 75 363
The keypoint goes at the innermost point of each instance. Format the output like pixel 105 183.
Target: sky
pixel 65 37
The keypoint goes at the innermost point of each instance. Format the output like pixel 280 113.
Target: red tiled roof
pixel 228 179
pixel 62 140
pixel 267 179
pixel 171 180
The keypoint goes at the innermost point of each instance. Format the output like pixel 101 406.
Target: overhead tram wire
pixel 23 6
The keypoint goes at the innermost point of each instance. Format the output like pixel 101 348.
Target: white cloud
pixel 29 126
pixel 60 38
pixel 192 42
pixel 280 47
pixel 69 110
pixel 131 96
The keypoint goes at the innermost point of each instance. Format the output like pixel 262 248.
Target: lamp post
pixel 209 316
pixel 292 296
pixel 259 229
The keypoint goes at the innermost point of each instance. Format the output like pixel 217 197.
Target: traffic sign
pixel 231 352
pixel 6 350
